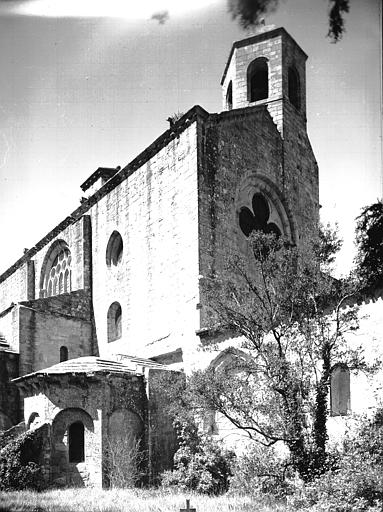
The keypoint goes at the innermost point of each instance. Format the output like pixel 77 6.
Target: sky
pixel 90 83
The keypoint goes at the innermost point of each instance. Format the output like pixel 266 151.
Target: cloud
pixel 131 10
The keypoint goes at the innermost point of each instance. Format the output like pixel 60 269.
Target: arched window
pixel 114 249
pixel 63 354
pixel 340 390
pixel 114 322
pixel 257 219
pixel 76 442
pixel 34 420
pixel 56 271
pixel 258 80
pixel 229 96
pixel 294 88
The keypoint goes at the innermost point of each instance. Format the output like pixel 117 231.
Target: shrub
pixel 201 464
pixel 262 470
pixel 124 461
pixel 357 483
pixel 19 462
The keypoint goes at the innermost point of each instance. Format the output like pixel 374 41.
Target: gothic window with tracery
pixel 58 275
pixel 258 218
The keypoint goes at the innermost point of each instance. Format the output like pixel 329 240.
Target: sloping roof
pixel 92 364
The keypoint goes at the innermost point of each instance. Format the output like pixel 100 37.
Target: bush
pixel 262 470
pixel 19 462
pixel 357 483
pixel 201 464
pixel 124 461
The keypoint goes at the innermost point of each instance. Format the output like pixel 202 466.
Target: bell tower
pixel 268 68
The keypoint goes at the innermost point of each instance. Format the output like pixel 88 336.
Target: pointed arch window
pixel 258 80
pixel 56 271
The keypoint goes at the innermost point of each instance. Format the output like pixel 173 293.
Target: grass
pixel 124 500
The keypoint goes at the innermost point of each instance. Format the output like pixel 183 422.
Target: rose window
pixel 258 218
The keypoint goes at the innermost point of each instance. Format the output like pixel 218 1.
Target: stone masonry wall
pixel 156 282
pixel 92 399
pixel 162 436
pixel 14 288
pixel 9 394
pixel 43 330
pixel 239 146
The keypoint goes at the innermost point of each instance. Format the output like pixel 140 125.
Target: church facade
pixel 111 298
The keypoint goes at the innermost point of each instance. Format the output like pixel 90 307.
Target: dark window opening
pixel 114 250
pixel 258 80
pixel 114 322
pixel 63 354
pixel 340 390
pixel 294 88
pixel 229 96
pixel 76 442
pixel 258 219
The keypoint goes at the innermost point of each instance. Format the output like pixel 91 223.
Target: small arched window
pixel 229 96
pixel 56 272
pixel 114 322
pixel 63 353
pixel 114 249
pixel 294 88
pixel 76 442
pixel 340 390
pixel 34 420
pixel 258 80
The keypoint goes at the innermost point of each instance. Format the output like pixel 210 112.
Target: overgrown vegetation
pixel 369 240
pixel 356 481
pixel 19 462
pixel 124 461
pixel 290 314
pixel 200 464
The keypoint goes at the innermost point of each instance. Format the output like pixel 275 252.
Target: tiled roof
pixel 4 345
pixel 92 364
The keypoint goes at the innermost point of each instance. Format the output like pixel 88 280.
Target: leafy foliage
pixel 357 482
pixel 369 239
pixel 259 471
pixel 200 463
pixel 250 12
pixel 292 321
pixel 19 462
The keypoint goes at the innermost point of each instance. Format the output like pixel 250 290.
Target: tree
pixel 292 317
pixel 369 240
pixel 250 12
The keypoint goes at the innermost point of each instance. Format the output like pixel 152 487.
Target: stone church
pixel 111 298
